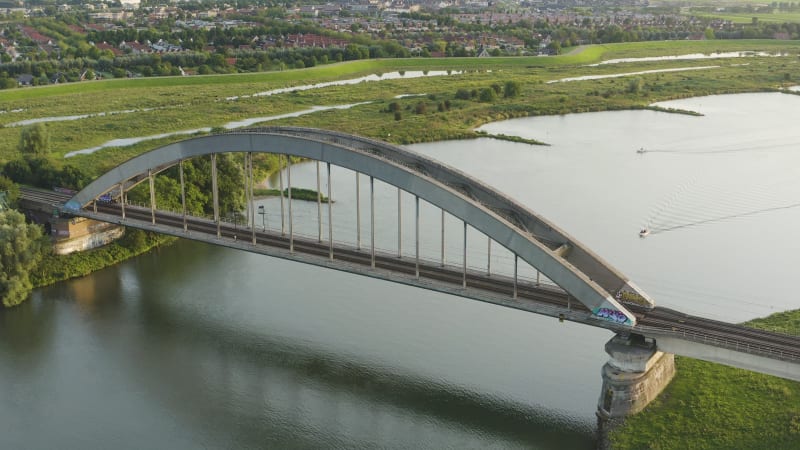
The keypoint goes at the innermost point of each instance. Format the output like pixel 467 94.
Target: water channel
pixel 194 346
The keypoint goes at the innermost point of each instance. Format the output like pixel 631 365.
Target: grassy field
pixel 710 406
pixel 185 103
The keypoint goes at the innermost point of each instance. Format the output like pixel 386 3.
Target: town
pixel 55 43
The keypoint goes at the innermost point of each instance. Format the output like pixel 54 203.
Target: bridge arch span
pixel 535 240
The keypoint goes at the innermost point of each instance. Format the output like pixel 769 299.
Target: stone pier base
pixel 634 375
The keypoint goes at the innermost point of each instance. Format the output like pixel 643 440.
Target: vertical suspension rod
pixel 214 192
pixel 246 194
pixel 183 196
pixel 152 196
pixel 122 198
pixel 280 187
pixel 289 188
pixel 319 207
pixel 399 223
pixel 464 283
pixel 516 258
pixel 358 212
pixel 330 216
pixel 252 201
pixel 488 256
pixel 416 235
pixel 442 238
pixel 372 218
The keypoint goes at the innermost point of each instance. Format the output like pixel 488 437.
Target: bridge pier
pixel 634 375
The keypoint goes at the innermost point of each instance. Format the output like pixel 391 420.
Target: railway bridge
pixel 565 279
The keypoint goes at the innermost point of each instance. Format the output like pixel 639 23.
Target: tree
pixel 34 140
pixel 487 95
pixel 7 83
pixel 463 94
pixel 511 89
pixel 21 246
pixel 10 188
pixel 18 170
pixel 635 85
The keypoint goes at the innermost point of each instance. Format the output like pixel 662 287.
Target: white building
pixel 131 4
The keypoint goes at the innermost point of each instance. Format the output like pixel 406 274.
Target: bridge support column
pixel 633 377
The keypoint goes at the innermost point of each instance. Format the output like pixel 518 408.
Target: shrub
pixel 487 95
pixel 511 89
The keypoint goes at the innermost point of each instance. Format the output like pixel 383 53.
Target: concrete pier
pixel 634 375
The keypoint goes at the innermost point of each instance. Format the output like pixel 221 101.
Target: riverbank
pixel 55 268
pixel 711 406
pixel 297 194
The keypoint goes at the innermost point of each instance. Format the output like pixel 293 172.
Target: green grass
pixel 710 406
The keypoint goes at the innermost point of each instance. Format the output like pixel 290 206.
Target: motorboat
pixel 644 232
pixel 641 150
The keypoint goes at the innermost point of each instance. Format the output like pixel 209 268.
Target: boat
pixel 641 150
pixel 644 232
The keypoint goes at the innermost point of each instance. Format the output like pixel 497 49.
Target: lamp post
pixel 263 216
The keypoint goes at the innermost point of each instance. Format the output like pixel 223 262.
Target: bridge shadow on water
pixel 344 383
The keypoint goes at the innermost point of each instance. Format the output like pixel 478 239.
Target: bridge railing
pixel 746 347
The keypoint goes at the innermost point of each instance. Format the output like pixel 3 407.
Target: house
pixel 135 47
pixel 105 46
pixel 25 79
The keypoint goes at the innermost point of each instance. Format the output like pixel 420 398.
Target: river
pixel 194 346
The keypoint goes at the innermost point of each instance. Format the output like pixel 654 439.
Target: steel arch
pixel 558 256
